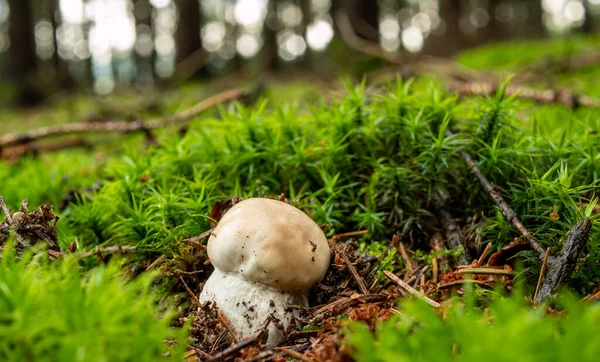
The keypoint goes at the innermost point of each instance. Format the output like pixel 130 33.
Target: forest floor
pixel 459 199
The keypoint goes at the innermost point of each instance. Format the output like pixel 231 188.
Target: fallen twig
pixel 108 250
pixel 227 324
pixel 18 151
pixel 351 234
pixel 481 259
pixel 460 283
pixel 405 257
pixel 364 289
pixel 541 277
pixel 233 349
pixel 487 271
pixel 451 229
pixel 192 295
pixel 338 306
pixel 12 139
pixel 295 354
pixel 155 262
pixel 241 344
pixel 564 97
pixel 508 213
pixel 410 289
pixel 195 241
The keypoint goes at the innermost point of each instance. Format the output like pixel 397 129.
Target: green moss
pixel 50 312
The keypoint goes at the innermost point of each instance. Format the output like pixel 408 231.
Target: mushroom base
pixel 247 305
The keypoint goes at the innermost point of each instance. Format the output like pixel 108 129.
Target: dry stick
pixel 233 349
pixel 484 254
pixel 434 270
pixel 198 351
pixel 486 271
pixel 548 96
pixel 155 262
pixel 340 305
pixel 351 234
pixel 508 213
pixel 405 257
pixel 12 139
pixel 295 354
pixel 420 275
pixel 7 214
pixel 410 289
pixel 451 229
pixel 541 277
pixel 561 266
pixel 196 240
pixel 263 356
pixel 241 344
pixel 364 289
pixel 194 298
pixel 437 244
pixel 227 324
pixel 591 297
pixel 18 151
pixel 459 283
pixel 108 250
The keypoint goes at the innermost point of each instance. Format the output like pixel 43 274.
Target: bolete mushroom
pixel 267 254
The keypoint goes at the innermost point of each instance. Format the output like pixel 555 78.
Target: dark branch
pixel 562 266
pixel 12 139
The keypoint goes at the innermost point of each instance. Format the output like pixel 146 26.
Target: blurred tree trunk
pixel 366 19
pixel 588 23
pixel 144 62
pixel 271 27
pixel 450 12
pixel 23 60
pixel 61 68
pixel 187 36
pixel 309 60
pixel 535 21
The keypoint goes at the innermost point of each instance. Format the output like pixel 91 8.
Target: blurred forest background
pixel 104 45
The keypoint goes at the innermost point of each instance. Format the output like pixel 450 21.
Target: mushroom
pixel 267 254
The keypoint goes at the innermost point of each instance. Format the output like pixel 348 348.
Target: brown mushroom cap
pixel 270 242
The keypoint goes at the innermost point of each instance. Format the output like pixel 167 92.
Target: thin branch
pixel 508 213
pixel 192 295
pixel 7 213
pixel 410 289
pixel 487 271
pixel 155 262
pixel 108 250
pixel 451 229
pixel 460 283
pixel 484 254
pixel 196 241
pixel 227 324
pixel 295 354
pixel 564 97
pixel 541 277
pixel 12 139
pixel 234 349
pixel 351 234
pixel 364 289
pixel 405 257
pixel 15 152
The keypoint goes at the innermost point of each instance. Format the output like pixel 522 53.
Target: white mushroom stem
pixel 247 305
